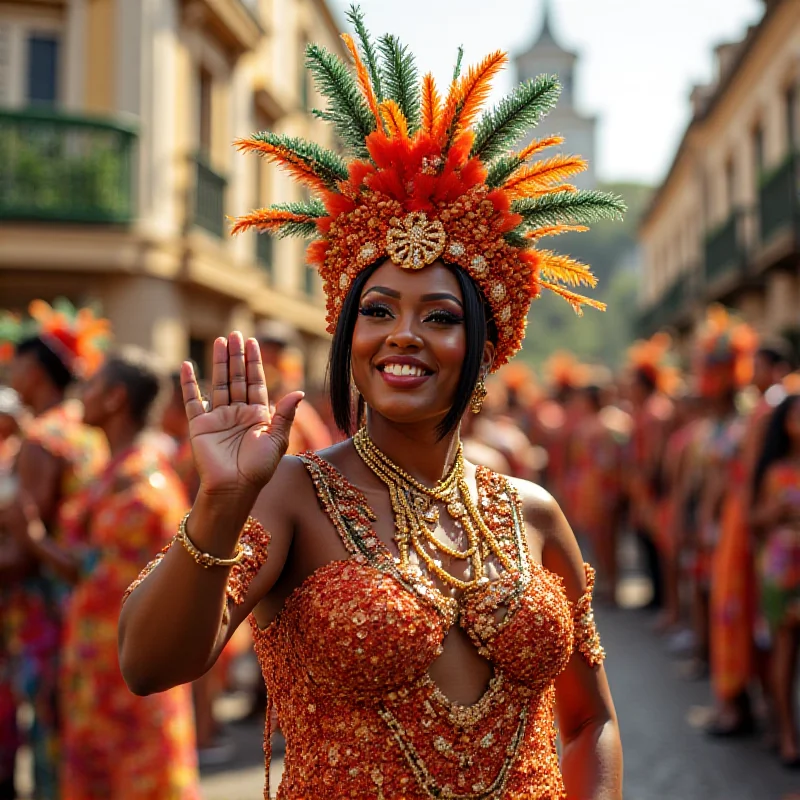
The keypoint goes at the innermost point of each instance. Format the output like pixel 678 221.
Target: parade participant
pixel 58 455
pixel 175 425
pixel 284 374
pixel 116 746
pixel 595 471
pixel 421 624
pixel 776 517
pixel 725 350
pixel 649 380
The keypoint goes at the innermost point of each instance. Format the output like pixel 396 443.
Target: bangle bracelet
pixel 205 559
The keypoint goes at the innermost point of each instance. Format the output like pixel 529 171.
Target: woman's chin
pixel 406 413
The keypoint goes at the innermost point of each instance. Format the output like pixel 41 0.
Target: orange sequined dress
pixel 346 665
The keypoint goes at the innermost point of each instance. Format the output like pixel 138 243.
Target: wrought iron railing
pixel 57 167
pixel 778 199
pixel 209 201
pixel 724 250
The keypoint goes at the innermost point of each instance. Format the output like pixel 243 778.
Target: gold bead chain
pixel 412 504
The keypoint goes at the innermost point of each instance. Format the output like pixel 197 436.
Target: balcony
pixel 209 201
pixel 724 250
pixel 60 168
pixel 235 23
pixel 778 196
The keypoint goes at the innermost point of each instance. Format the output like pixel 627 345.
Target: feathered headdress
pixel 563 371
pixel 651 357
pixel 428 179
pixel 726 340
pixel 76 336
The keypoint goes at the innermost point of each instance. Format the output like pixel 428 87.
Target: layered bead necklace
pixel 416 515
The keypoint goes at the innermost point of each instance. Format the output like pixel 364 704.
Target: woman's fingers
pixel 236 366
pixel 192 401
pixel 220 394
pixel 256 383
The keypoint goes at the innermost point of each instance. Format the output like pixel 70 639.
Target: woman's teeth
pixel 404 369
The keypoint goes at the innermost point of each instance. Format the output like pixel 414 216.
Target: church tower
pixel 547 56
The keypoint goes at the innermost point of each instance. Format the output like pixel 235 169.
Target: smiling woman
pixel 421 622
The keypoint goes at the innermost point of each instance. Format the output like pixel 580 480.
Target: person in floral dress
pixel 117 746
pixel 58 455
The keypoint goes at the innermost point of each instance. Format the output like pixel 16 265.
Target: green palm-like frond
pixel 329 166
pixel 499 129
pixel 580 207
pixel 347 111
pixel 401 82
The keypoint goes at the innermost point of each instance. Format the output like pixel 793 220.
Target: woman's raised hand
pixel 238 443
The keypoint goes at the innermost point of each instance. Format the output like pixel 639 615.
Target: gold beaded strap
pixel 587 639
pixel 205 559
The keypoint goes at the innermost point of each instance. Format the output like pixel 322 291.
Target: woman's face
pixel 409 342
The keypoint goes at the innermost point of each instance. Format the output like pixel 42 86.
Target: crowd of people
pixel 703 467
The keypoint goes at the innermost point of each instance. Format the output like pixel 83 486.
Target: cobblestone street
pixel 665 757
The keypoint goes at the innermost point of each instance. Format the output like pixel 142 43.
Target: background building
pixel 724 224
pixel 117 170
pixel 547 56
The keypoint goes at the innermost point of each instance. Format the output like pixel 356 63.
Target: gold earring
pixel 478 396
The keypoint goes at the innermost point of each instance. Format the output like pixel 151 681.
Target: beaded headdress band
pixel 428 180
pixel 75 335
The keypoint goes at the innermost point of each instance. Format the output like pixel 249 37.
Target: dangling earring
pixel 478 396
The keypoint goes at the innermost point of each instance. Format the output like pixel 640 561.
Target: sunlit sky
pixel 639 58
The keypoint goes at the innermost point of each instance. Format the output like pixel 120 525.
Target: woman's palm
pixel 239 442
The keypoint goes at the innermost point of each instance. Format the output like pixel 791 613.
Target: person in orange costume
pixel 116 746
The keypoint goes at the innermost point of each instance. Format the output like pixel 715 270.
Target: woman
pixel 116 746
pixel 417 618
pixel 777 518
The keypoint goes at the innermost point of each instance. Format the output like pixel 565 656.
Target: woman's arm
pixel 592 753
pixel 174 624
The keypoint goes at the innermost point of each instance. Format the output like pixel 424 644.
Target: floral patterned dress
pixel 780 555
pixel 118 746
pixel 33 609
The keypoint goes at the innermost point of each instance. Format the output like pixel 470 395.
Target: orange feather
pixel 561 268
pixel 467 95
pixel 363 78
pixel 575 300
pixel 394 119
pixel 431 104
pixel 268 219
pixel 537 145
pixel 555 230
pixel 285 158
pixel 543 174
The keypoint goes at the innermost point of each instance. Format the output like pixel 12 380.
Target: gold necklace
pixel 414 511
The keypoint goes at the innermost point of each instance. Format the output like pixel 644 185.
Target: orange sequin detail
pixel 346 664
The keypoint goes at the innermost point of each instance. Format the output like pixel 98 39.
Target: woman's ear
pixel 488 357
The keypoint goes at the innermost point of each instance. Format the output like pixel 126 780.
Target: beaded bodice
pixel 346 665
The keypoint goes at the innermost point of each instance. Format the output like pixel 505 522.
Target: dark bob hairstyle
pixel 479 327
pixel 51 364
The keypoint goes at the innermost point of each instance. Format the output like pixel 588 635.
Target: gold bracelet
pixel 205 559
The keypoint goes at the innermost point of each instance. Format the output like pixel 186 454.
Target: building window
pixel 303 77
pixel 758 149
pixel 730 185
pixel 198 353
pixel 204 101
pixel 791 118
pixel 42 88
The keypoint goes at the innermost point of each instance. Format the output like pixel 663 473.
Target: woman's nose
pixel 404 333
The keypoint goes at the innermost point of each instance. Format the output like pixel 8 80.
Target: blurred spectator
pixel 117 746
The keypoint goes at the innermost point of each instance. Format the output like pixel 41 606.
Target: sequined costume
pixel 346 664
pixel 33 608
pixel 115 524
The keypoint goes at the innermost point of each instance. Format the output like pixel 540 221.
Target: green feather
pixel 517 239
pixel 580 208
pixel 500 128
pixel 329 166
pixel 302 230
pixel 401 79
pixel 459 59
pixel 356 17
pixel 346 110
pixel 501 170
pixel 311 208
